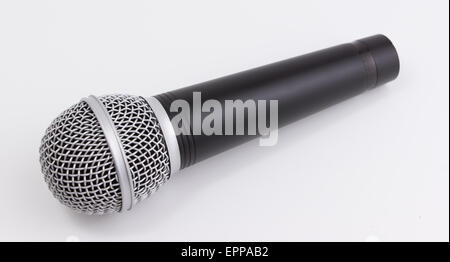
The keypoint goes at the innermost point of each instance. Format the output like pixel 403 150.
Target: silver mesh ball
pixel 77 163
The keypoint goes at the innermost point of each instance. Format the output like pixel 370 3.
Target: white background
pixel 373 168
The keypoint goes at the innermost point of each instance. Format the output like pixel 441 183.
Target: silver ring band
pixel 117 152
pixel 169 133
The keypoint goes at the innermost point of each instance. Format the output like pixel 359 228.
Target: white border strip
pixel 169 133
pixel 117 152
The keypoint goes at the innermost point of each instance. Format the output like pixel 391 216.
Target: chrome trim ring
pixel 169 133
pixel 117 152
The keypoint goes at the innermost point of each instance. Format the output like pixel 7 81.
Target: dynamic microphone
pixel 105 154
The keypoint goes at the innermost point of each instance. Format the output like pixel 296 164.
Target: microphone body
pixel 105 154
pixel 302 85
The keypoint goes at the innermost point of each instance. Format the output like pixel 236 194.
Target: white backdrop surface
pixel 373 168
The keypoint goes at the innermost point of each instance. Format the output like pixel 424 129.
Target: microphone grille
pixel 77 162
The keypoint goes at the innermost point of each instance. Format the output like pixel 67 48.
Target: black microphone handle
pixel 302 85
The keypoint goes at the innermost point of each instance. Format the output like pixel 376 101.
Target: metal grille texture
pixel 77 163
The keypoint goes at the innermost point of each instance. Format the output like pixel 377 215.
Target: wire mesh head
pixel 77 163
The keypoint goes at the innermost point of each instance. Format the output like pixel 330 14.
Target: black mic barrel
pixel 302 85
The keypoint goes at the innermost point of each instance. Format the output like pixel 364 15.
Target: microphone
pixel 106 154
